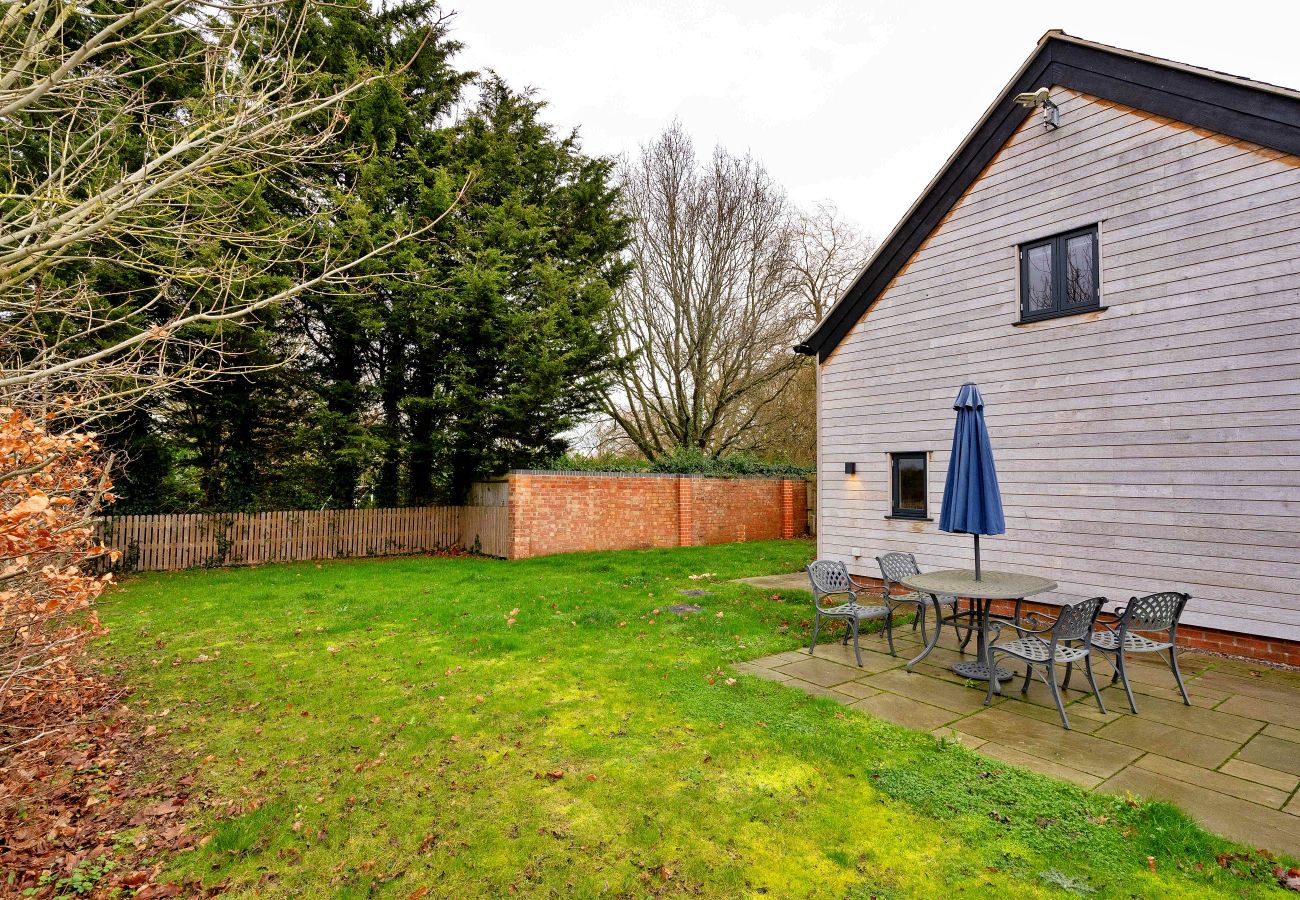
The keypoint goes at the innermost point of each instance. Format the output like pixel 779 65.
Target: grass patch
pixel 547 728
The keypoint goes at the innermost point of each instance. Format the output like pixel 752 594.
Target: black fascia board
pixel 1229 107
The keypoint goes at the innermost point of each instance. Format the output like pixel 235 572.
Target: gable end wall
pixel 1151 445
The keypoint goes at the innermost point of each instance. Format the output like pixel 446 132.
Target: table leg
pixel 930 641
pixel 980 669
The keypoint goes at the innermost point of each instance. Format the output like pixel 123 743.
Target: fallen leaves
pixel 64 794
pixel 1288 878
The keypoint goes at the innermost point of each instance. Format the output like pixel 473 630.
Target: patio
pixel 1231 759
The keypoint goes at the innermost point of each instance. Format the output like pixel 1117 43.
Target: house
pixel 1115 261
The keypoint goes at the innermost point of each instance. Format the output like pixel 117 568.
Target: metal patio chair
pixel 1153 613
pixel 894 567
pixel 1068 641
pixel 832 579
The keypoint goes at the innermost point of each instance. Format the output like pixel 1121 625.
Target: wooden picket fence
pixel 164 543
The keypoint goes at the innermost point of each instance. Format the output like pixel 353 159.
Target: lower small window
pixel 909 485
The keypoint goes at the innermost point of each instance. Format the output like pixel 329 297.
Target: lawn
pixel 470 727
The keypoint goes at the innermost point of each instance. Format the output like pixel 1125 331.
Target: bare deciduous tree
pixel 707 317
pixel 75 95
pixel 828 254
pixel 728 276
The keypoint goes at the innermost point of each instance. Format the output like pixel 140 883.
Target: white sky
pixel 859 103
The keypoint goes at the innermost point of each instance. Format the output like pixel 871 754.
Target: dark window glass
pixel 1058 275
pixel 1080 267
pixel 909 489
pixel 1038 286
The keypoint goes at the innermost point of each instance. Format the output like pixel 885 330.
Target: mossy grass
pixel 546 727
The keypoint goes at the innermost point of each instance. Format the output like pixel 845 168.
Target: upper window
pixel 909 485
pixel 1058 275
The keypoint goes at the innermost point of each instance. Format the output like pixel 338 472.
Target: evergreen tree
pixel 468 351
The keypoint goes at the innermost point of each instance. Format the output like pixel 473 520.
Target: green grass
pixel 379 727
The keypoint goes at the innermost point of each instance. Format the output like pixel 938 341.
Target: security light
pixel 1042 98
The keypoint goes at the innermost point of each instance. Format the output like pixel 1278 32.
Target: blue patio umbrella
pixel 972 503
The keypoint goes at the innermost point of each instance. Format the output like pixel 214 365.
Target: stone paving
pixel 1231 759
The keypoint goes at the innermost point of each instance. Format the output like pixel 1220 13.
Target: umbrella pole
pixel 977 557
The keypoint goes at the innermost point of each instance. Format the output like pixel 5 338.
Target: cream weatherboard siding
pixel 1154 444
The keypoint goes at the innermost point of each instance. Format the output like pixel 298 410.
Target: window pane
pixel 1080 286
pixel 911 483
pixel 1038 279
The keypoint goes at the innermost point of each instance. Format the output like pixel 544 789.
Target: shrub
pixel 50 486
pixel 683 461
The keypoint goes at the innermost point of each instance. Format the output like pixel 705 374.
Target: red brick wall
pixel 575 511
pixel 1267 650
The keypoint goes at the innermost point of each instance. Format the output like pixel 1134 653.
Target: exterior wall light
pixel 1041 98
pixel 851 468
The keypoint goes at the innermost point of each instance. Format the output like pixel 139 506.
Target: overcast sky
pixel 858 103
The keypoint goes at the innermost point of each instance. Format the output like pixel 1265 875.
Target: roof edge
pixel 1238 107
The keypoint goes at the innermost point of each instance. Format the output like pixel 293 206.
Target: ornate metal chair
pixel 894 567
pixel 1153 613
pixel 1068 642
pixel 832 579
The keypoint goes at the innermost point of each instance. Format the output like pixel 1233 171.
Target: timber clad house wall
pixel 1150 443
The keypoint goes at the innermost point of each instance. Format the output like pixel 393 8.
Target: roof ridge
pixel 1238 107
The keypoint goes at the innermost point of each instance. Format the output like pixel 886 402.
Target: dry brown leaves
pixel 93 792
pixel 51 486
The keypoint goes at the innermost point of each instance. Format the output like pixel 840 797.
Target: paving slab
pixel 816 690
pixel 871 661
pixel 1238 819
pixel 1214 781
pixel 1044 714
pixel 1231 759
pixel 1194 718
pixel 906 712
pixel 761 672
pixel 1200 696
pixel 929 690
pixel 821 672
pixel 1087 710
pixel 1272 752
pixel 791 581
pixel 1149 675
pixel 1276 691
pixel 943 657
pixel 856 689
pixel 788 656
pixel 1072 749
pixel 1198 749
pixel 1281 731
pixel 1037 764
pixel 1283 781
pixel 1285 714
pixel 969 741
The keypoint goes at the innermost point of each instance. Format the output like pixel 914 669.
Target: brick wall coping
pixel 578 473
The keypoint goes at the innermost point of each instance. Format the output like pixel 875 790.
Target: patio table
pixel 992 585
